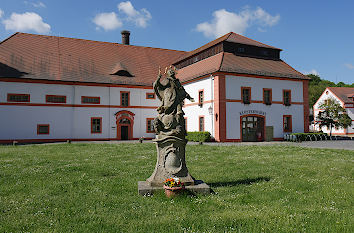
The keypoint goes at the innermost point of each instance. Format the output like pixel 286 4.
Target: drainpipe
pixel 212 104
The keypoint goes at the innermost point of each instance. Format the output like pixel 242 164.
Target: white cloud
pixel 313 71
pixel 349 66
pixel 264 18
pixel 224 21
pixel 107 21
pixel 140 18
pixel 1 13
pixel 36 4
pixel 28 21
pixel 39 4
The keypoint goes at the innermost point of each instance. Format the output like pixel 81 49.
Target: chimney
pixel 125 37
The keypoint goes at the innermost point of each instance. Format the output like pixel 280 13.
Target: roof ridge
pixel 210 42
pixel 255 40
pixel 294 69
pixel 9 37
pixel 221 61
pixel 104 42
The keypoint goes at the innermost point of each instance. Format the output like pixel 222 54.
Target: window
pixel 90 100
pixel 240 49
pixel 265 53
pixel 201 98
pixel 96 124
pixel 18 97
pixel 287 97
pixel 124 98
pixel 201 123
pixel 55 98
pixel 267 96
pixel 43 129
pixel 246 95
pixel 150 95
pixel 150 125
pixel 287 123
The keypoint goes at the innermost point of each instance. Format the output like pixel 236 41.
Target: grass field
pixel 93 188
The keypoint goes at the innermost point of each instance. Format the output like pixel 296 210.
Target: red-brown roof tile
pixel 69 59
pixel 343 93
pixel 257 66
pixel 198 69
pixel 228 62
pixel 229 37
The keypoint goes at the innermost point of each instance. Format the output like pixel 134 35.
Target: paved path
pixel 340 144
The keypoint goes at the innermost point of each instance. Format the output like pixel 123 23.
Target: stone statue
pixel 170 120
pixel 170 129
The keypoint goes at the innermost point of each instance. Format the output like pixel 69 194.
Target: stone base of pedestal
pixel 145 188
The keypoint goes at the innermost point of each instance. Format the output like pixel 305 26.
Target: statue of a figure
pixel 169 126
pixel 170 120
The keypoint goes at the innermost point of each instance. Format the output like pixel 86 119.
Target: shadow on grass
pixel 247 181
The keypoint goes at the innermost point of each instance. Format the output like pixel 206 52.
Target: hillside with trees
pixel 318 85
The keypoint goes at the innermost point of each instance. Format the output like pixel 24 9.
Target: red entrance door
pixel 123 132
pixel 125 122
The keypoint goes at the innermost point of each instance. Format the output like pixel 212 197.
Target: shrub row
pixel 198 136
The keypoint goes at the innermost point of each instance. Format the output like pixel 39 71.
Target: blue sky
pixel 316 36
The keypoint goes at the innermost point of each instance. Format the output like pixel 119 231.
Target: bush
pixel 198 136
pixel 305 137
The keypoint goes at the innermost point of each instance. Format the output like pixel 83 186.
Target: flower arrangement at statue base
pixel 173 186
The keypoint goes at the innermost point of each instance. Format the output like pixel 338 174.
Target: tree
pixel 317 87
pixel 332 114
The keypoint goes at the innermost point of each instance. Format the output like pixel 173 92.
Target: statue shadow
pixel 247 181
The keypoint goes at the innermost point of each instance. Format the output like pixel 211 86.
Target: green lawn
pixel 93 188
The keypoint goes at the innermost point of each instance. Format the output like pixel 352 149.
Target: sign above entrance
pixel 247 112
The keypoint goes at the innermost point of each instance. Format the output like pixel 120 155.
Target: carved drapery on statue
pixel 169 126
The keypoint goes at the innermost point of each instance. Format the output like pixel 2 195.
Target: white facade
pixel 235 110
pixel 71 120
pixel 349 107
pixel 273 113
pixel 193 110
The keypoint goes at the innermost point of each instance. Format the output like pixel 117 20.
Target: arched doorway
pixel 252 128
pixel 125 123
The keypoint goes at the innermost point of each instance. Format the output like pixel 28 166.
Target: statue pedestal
pixel 170 161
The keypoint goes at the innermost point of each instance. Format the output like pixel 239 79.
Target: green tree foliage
pixel 318 85
pixel 332 115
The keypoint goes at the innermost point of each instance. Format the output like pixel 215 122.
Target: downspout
pixel 212 105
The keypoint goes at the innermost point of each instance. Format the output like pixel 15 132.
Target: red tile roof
pixel 229 37
pixel 32 56
pixel 69 59
pixel 198 69
pixel 228 62
pixel 343 93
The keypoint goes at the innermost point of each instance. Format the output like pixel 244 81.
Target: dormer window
pixel 240 49
pixel 123 73
pixel 265 53
pixel 121 70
